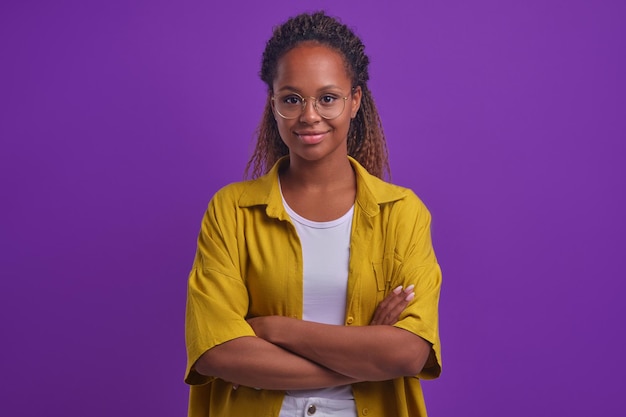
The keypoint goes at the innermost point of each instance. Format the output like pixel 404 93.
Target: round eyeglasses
pixel 291 105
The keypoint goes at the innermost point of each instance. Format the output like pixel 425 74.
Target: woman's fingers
pixel 389 310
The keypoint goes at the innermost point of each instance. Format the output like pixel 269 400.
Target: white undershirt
pixel 326 254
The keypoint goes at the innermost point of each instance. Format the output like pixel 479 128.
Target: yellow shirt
pixel 249 263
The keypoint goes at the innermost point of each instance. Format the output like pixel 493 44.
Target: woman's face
pixel 314 71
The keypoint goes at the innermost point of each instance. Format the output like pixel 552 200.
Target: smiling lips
pixel 311 138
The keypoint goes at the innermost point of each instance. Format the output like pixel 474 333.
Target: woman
pixel 314 289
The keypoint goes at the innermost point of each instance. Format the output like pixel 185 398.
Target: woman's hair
pixel 366 141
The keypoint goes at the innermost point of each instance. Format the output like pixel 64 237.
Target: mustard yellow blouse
pixel 249 262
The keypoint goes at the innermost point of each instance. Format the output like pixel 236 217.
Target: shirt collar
pixel 371 193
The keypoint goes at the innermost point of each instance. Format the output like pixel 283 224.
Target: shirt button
pixel 366 411
pixel 350 320
pixel 311 410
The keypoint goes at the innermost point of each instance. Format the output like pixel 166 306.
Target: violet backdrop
pixel 120 119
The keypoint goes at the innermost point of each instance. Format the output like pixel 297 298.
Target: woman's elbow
pixel 204 365
pixel 414 366
pixel 415 357
pixel 212 362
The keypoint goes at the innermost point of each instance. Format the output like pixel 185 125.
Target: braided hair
pixel 366 140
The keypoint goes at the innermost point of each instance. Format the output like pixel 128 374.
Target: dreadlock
pixel 366 140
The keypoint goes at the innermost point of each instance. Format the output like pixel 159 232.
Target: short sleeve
pixel 420 267
pixel 217 299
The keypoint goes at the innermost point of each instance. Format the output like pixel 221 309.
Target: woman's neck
pixel 318 175
pixel 319 191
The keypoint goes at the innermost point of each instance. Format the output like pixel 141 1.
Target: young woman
pixel 314 289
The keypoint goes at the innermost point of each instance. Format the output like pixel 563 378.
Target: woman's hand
pixel 257 324
pixel 389 310
pixel 351 353
pixel 266 327
pixel 387 313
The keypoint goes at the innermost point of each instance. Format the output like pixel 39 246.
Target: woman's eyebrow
pixel 297 90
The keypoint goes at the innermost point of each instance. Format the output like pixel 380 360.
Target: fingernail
pixel 410 297
pixel 397 290
pixel 409 288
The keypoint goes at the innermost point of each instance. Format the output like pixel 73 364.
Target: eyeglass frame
pixel 315 100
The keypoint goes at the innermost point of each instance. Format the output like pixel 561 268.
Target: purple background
pixel 119 120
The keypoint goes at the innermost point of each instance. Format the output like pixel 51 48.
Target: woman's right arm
pixel 254 362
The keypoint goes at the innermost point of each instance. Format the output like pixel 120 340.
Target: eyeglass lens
pixel 291 105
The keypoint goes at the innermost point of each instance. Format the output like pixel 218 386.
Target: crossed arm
pixel 295 354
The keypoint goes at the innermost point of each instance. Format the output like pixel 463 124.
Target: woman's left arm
pixel 372 353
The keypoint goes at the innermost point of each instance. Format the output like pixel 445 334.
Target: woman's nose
pixel 309 112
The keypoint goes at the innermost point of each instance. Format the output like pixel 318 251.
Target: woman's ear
pixel 357 94
pixel 270 99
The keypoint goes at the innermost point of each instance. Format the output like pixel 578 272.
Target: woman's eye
pixel 327 100
pixel 291 100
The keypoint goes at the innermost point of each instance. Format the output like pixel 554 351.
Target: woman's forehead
pixel 311 65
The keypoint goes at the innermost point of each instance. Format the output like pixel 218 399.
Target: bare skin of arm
pixel 254 362
pixel 367 353
pixel 261 362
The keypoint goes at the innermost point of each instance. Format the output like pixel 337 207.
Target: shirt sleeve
pixel 217 298
pixel 420 267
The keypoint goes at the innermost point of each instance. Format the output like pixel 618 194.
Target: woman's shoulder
pixel 249 190
pixel 408 197
pixel 385 191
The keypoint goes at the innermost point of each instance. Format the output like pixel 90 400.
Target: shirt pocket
pixel 379 274
pixel 377 279
pixel 385 272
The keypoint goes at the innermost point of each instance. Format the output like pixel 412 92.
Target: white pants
pixel 317 407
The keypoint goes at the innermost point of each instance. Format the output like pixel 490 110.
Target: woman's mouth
pixel 311 138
